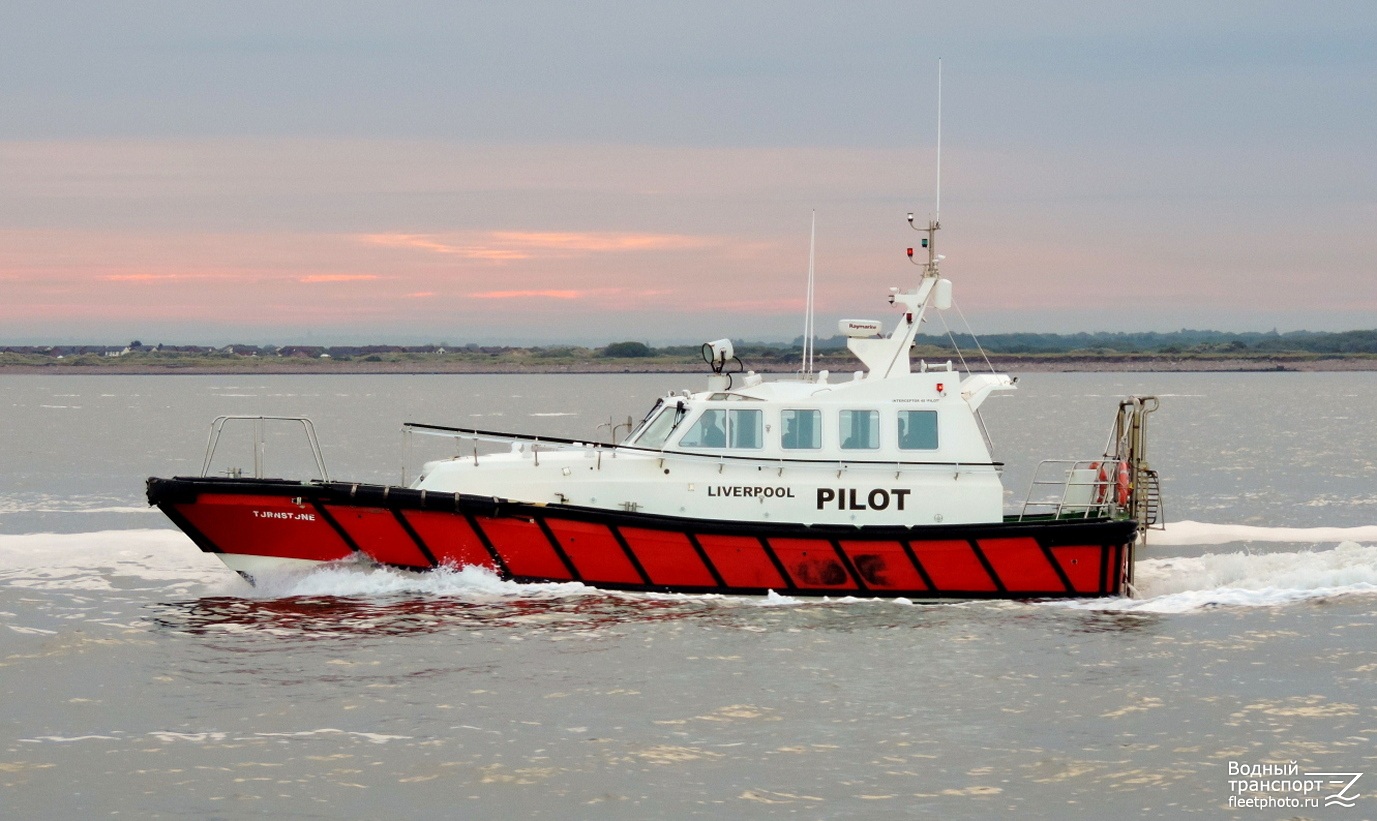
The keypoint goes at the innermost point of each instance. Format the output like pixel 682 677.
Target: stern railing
pixel 1071 489
pixel 1118 484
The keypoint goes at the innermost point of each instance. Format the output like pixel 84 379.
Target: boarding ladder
pixel 1128 443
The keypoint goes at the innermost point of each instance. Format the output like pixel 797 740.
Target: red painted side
pixel 668 558
pixel 595 552
pixel 264 526
pixel 378 534
pixel 741 562
pixel 525 549
pixel 1021 565
pixel 449 539
pixel 1081 564
pixel 268 524
pixel 813 564
pixel 953 566
pixel 883 566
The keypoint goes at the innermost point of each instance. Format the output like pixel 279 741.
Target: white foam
pixel 375 738
pixel 168 736
pixel 88 561
pixel 57 739
pixel 773 599
pixel 15 506
pixel 1206 533
pixel 1241 579
pixel 353 579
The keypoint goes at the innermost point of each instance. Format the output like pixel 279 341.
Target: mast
pixel 808 330
pixel 889 356
pixel 937 206
pixel 934 224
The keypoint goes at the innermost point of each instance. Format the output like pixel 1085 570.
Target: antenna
pixel 937 207
pixel 930 241
pixel 808 303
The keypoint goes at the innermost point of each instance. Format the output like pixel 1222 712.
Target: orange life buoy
pixel 1120 480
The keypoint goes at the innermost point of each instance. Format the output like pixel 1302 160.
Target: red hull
pixel 409 529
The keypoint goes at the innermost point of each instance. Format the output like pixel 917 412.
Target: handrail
pixel 1086 489
pixel 561 443
pixel 217 427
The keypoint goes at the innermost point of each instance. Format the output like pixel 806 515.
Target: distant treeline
pixel 1184 342
pixel 1175 342
pixel 290 351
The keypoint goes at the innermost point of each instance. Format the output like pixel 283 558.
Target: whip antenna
pixel 808 302
pixel 937 207
pixel 930 241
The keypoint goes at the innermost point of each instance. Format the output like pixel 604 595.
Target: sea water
pixel 140 678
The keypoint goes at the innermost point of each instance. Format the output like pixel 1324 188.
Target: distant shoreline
pixel 1012 364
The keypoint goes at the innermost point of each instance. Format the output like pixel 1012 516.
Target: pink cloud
pixel 155 277
pixel 427 243
pixel 599 241
pixel 529 294
pixel 317 278
pixel 612 297
pixel 512 246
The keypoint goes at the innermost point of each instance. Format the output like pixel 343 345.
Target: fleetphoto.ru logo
pixel 1281 786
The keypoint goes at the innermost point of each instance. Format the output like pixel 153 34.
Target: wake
pixel 1277 566
pixel 1260 575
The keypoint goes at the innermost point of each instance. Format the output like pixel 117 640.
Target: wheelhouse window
pixel 659 429
pixel 726 428
pixel 860 429
pixel 745 428
pixel 918 430
pixel 709 431
pixel 800 429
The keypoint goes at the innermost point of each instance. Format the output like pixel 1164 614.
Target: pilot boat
pixel 879 484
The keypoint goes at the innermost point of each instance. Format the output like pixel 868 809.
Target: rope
pixel 974 338
pixel 955 347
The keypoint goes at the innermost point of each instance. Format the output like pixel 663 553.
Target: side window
pixel 860 430
pixel 710 431
pixel 801 429
pixel 918 430
pixel 745 428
